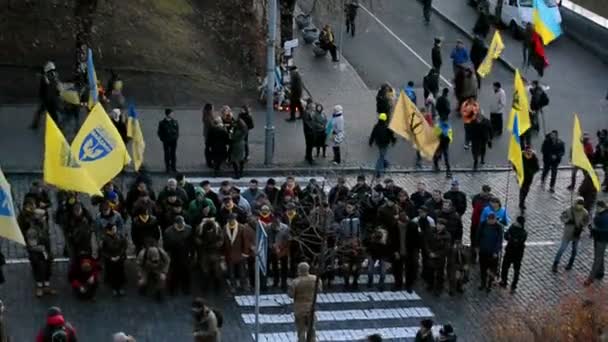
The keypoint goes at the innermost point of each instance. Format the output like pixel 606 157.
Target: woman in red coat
pixel 84 277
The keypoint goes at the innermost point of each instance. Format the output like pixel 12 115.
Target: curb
pixel 469 35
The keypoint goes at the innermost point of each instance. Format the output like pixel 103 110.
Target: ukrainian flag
pixel 8 218
pixel 92 77
pixel 515 151
pixel 138 145
pixel 545 23
pixel 579 158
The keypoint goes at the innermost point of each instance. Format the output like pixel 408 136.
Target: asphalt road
pixel 392 39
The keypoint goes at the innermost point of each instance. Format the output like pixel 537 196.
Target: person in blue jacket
pixel 495 207
pixel 459 56
pixel 489 240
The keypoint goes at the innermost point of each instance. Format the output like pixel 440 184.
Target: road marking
pixel 346 315
pixel 403 43
pixel 347 334
pixel 276 300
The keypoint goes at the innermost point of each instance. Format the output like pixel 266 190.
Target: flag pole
pixel 508 186
pixel 257 298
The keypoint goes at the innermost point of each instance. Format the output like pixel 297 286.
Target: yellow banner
pixel 496 48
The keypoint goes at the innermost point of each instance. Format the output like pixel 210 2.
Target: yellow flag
pixel 60 167
pixel 99 147
pixel 579 158
pixel 515 150
pixel 138 145
pixel 8 217
pixel 496 48
pixel 409 123
pixel 520 105
pixel 70 96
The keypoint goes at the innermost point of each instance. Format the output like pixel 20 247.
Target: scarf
pixel 232 233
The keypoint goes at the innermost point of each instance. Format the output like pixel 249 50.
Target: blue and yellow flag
pixel 520 105
pixel 92 77
pixel 8 217
pixel 60 167
pixel 99 148
pixel 515 151
pixel 138 145
pixel 545 22
pixel 579 158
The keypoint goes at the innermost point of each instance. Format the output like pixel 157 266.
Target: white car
pixel 517 13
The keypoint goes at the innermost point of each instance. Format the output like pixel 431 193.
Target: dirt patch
pixel 188 50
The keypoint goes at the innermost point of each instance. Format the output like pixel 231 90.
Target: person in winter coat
pixel 489 240
pixel 384 102
pixel 348 245
pixel 307 125
pixel 107 216
pixel 442 105
pixel 553 150
pixel 217 144
pixel 302 290
pixel 38 250
pixel 443 130
pixel 516 237
pixel 206 322
pixel 145 230
pixel 497 108
pixel 588 192
pixel 208 240
pixel 327 42
pixel 350 12
pixel 382 136
pixel 436 58
pixel 84 277
pixel 245 116
pixel 459 56
pixel 426 10
pixel 405 241
pixel 295 94
pixel 421 196
pixel 208 119
pixel 479 50
pixel 56 327
pixel 458 267
pixel 482 25
pixel 200 208
pixel 426 226
pixel 575 219
pixel 177 241
pixel 531 167
pixel 430 83
pixel 337 133
pixel 168 133
pixel 237 147
pixel 447 334
pixel 114 253
pixel 479 203
pixel 236 250
pixel 153 265
pixel 480 133
pixel 538 101
pixel 120 123
pixel 425 333
pixel 439 247
pixel 319 126
pixel 600 241
pixel 377 253
pixel 453 223
pixel 457 197
pixel 466 83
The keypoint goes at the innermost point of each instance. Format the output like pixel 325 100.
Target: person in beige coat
pixel 575 219
pixel 302 290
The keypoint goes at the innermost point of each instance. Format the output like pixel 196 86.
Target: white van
pixel 516 13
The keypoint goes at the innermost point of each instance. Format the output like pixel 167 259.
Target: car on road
pixel 516 13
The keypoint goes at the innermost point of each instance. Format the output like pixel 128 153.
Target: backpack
pixel 218 317
pixel 58 334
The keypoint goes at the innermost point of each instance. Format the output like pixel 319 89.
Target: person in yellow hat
pixel 382 136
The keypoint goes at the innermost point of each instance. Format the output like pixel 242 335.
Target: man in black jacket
pixel 382 136
pixel 531 167
pixel 458 198
pixel 436 55
pixel 350 11
pixel 295 95
pixel 553 150
pixel 514 252
pixel 481 136
pixel 478 53
pixel 443 104
pixel 168 133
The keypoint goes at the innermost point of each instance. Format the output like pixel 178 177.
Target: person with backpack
pixel 56 329
pixel 168 133
pixel 538 101
pixel 245 115
pixel 327 42
pixel 207 322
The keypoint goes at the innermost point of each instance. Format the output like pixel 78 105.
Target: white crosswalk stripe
pixel 345 315
pixel 275 300
pixel 346 334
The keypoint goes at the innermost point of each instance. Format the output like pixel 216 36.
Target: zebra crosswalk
pixel 341 316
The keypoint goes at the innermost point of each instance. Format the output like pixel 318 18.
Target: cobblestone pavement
pixel 470 314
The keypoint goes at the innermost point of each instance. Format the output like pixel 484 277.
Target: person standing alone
pixel 168 133
pixel 497 108
pixel 303 291
pixel 350 10
pixel 382 136
pixel 553 150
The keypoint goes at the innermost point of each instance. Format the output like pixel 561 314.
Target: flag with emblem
pixel 138 145
pixel 496 48
pixel 99 148
pixel 8 217
pixel 409 123
pixel 60 166
pixel 520 106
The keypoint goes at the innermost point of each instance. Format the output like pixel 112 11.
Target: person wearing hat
pixel 152 268
pixel 302 290
pixel 447 334
pixel 119 122
pixel 297 223
pixel 84 277
pixel 531 167
pixel 348 244
pixel 478 203
pixel 458 198
pixel 337 132
pixel 113 252
pixel 425 333
pixel 208 244
pixel 173 187
pixel 48 94
pixel 439 246
pixel 489 242
pixel 426 225
pixel 382 136
pixel 339 193
pixel 168 133
pixel 37 244
pixel 272 192
pixel 56 327
pixel 480 135
pixel 553 149
pixel 295 98
pixel 575 219
pixel 169 209
pixel 319 126
pixel 200 208
pixel 599 232
pixel 436 58
pixel 516 237
pixel 177 241
pixel 236 251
